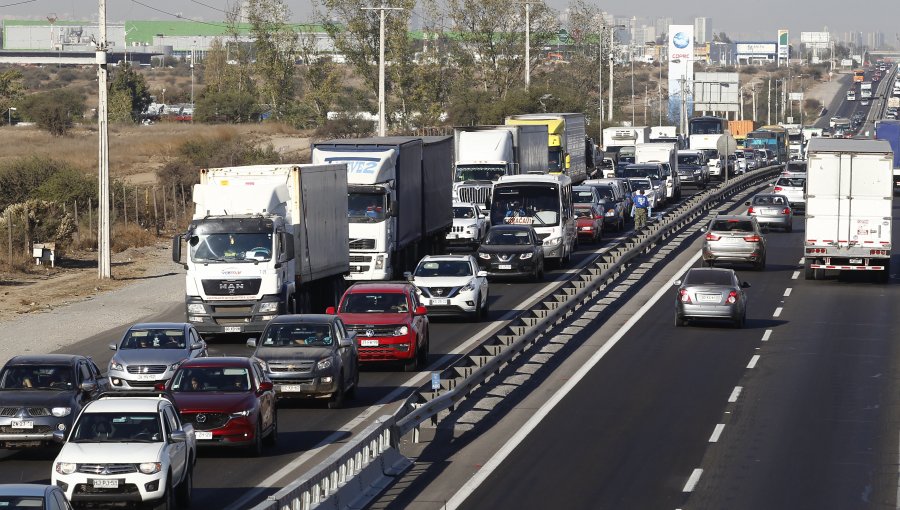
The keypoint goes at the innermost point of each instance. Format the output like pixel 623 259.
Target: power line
pixel 18 3
pixel 179 16
pixel 210 7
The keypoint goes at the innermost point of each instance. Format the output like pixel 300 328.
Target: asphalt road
pixel 795 411
pixel 224 478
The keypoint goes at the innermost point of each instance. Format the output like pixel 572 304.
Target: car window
pixel 732 226
pixel 298 335
pixel 22 502
pixel 338 332
pixel 433 268
pixel 61 500
pixel 375 302
pixel 171 419
pixel 127 427
pixel 506 237
pixel 584 212
pixel 791 182
pixel 95 370
pixel 154 339
pixel 583 197
pixel 212 379
pixel 37 377
pixel 768 200
pixel 701 277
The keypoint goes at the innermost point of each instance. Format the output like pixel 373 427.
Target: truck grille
pixel 9 411
pixel 362 244
pixel 290 366
pixel 129 489
pixel 205 421
pixel 476 194
pixel 360 258
pixel 362 331
pixel 37 429
pixel 146 369
pixel 233 309
pixel 245 287
pixel 106 469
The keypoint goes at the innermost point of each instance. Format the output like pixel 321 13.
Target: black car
pixel 512 250
pixel 40 394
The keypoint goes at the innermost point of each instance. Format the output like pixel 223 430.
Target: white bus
pixel 542 201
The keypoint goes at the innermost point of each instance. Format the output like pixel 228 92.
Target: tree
pixel 127 82
pixel 319 85
pixel 120 106
pixel 275 46
pixel 11 89
pixel 54 110
pixel 229 106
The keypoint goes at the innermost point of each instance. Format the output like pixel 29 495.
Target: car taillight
pixel 786 210
pixel 712 237
pixel 750 210
pixel 598 216
pixel 683 295
pixel 778 188
pixel 732 298
pixel 752 239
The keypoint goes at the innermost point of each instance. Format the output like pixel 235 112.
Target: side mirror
pixel 568 161
pixel 345 342
pixel 330 310
pixel 266 386
pixel 745 285
pixel 538 242
pixel 176 249
pixel 59 436
pixel 481 274
pixel 394 208
pixel 196 346
pixel 113 347
pixel 746 203
pixel 251 342
pixel 421 310
pixel 179 436
pixel 160 386
pixel 407 275
pixel 89 386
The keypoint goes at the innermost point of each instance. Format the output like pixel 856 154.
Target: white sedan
pixel 452 285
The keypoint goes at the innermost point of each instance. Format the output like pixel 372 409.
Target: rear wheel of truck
pixel 337 399
pixel 885 275
pixel 808 272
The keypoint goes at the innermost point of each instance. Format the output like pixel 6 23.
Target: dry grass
pixel 121 236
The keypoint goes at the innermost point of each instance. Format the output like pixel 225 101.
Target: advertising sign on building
pixel 681 71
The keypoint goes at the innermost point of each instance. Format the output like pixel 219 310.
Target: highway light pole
pixel 9 111
pixel 631 58
pixel 612 32
pixel 103 254
pixel 382 124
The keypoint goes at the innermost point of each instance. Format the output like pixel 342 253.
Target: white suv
pixel 127 449
pixel 452 285
pixel 470 225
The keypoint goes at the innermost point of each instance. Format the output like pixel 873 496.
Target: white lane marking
pixel 753 361
pixel 801 260
pixel 735 393
pixel 767 335
pixel 897 503
pixel 497 459
pixel 413 382
pixel 795 275
pixel 787 292
pixel 777 312
pixel 692 481
pixel 714 438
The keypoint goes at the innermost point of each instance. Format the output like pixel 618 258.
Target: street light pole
pixel 382 127
pixel 631 58
pixel 612 31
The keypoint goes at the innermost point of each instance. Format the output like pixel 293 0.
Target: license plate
pixel 856 261
pixel 437 302
pixel 232 329
pixel 145 377
pixel 452 236
pixel 504 266
pixel 203 435
pixel 368 343
pixel 291 387
pixel 105 484
pixel 22 424
pixel 709 298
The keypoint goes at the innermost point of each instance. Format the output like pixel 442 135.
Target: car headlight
pixel 196 308
pixel 402 330
pixel 174 366
pixel 116 365
pixel 263 365
pixel 59 412
pixel 149 468
pixel 469 286
pixel 324 364
pixel 485 256
pixel 268 306
pixel 241 414
pixel 610 212
pixel 65 468
pixel 552 241
pixel 526 256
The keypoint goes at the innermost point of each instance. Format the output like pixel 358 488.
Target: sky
pixel 755 20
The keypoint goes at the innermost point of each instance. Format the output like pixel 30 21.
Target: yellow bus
pixel 859 75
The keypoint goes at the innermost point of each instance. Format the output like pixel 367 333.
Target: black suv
pixel 512 250
pixel 40 394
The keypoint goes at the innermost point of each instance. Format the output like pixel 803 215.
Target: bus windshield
pixel 526 204
pixel 707 126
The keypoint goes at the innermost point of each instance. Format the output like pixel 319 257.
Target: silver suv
pixel 794 188
pixel 734 239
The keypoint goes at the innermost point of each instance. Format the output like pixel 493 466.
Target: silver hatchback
pixel 710 293
pixel 771 210
pixel 734 239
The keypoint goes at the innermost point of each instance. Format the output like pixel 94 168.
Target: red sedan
pixel 589 223
pixel 229 401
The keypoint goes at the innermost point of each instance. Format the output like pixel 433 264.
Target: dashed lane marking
pixel 767 335
pixel 714 438
pixel 753 361
pixel 735 393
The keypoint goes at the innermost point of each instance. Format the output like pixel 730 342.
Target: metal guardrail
pixel 360 468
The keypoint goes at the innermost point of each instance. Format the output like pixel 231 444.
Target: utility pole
pixel 659 87
pixel 382 123
pixel 528 43
pixel 612 32
pixel 103 256
pixel 631 58
pixel 769 104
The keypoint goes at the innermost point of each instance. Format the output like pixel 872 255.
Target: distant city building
pixel 703 30
pixel 662 26
pixel 875 40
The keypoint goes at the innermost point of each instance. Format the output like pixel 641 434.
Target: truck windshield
pixel 297 335
pixel 249 247
pixel 479 173
pixel 117 428
pixel 689 159
pixel 532 204
pixel 555 159
pixel 366 207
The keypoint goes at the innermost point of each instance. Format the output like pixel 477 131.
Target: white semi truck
pixel 849 199
pixel 620 142
pixel 483 154
pixel 264 240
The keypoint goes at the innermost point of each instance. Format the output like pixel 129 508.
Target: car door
pixel 419 322
pixel 176 451
pixel 345 352
pixel 194 338
pixel 265 401
pixel 481 281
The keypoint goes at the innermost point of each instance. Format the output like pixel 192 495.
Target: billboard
pixel 717 92
pixel 815 40
pixel 681 71
pixel 783 45
pixel 757 48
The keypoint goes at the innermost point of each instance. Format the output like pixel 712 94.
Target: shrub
pixel 55 110
pixel 124 236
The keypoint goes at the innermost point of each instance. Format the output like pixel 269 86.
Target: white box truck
pixel 486 153
pixel 264 240
pixel 667 154
pixel 620 142
pixel 849 199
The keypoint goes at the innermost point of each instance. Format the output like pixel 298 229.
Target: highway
pixel 797 410
pixel 306 429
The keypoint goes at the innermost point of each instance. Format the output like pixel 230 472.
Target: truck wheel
pixel 808 272
pixel 186 488
pixel 337 400
pixel 885 275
